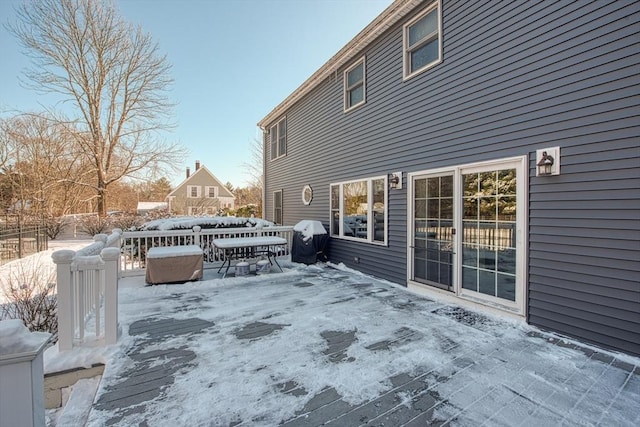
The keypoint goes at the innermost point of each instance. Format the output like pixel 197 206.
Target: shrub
pixel 29 294
pixel 54 226
pixel 125 221
pixel 93 224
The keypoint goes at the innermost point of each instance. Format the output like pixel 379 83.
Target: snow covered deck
pixel 318 345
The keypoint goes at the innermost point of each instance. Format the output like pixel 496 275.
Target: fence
pixel 135 244
pixel 18 242
pixel 88 279
pixel 87 283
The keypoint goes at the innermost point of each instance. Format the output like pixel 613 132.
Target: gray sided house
pixel 201 193
pixel 487 153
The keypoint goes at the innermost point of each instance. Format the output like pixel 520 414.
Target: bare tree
pixel 114 76
pixel 254 168
pixel 47 175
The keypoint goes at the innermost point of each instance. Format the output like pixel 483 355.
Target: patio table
pixel 245 247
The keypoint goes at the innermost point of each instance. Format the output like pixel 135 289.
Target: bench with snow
pixel 174 264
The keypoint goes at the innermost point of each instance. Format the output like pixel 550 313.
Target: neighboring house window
pixel 422 39
pixel 277 207
pixel 193 191
pixel 278 139
pixel 359 210
pixel 354 85
pixel 212 192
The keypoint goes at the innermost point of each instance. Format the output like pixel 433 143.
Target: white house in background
pixel 201 193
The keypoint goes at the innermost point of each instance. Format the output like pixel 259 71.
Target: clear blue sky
pixel 233 62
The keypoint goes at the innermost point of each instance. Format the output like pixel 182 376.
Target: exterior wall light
pixel 395 180
pixel 548 161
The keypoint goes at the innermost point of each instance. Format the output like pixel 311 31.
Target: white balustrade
pixel 87 283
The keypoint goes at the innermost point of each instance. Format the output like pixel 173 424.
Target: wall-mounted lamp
pixel 548 161
pixel 395 180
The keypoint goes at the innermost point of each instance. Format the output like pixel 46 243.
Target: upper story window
pixel 359 210
pixel 278 139
pixel 212 192
pixel 354 85
pixel 193 191
pixel 422 40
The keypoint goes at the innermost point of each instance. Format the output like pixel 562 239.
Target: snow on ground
pixel 19 270
pixel 495 369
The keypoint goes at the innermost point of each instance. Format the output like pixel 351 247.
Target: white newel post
pixel 196 235
pixel 63 260
pixel 111 258
pixel 22 374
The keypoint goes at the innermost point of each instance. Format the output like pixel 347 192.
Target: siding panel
pixel 515 77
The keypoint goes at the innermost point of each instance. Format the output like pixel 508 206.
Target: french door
pixel 465 228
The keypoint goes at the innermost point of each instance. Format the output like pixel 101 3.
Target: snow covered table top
pixel 173 251
pixel 248 242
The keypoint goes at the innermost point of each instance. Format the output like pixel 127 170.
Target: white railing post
pixel 111 258
pixel 196 235
pixel 63 260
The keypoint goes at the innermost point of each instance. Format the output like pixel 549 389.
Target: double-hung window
pixel 354 85
pixel 277 207
pixel 193 191
pixel 359 210
pixel 422 39
pixel 212 192
pixel 278 139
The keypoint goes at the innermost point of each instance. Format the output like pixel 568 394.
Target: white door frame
pixel 520 163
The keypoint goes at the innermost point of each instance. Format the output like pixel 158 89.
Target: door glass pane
pixel 433 233
pixel 488 235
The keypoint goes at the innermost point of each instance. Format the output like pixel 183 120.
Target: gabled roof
pixel 222 190
pixel 383 22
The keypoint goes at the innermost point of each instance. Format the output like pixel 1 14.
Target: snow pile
pixel 15 338
pixel 188 222
pixel 309 228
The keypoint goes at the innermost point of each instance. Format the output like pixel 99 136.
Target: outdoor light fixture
pixel 395 180
pixel 548 161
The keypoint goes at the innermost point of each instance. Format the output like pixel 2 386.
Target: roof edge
pixel 392 14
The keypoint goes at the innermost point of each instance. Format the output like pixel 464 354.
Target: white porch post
pixel 111 258
pixel 63 260
pixel 196 235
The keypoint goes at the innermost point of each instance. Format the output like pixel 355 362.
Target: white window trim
pixel 276 125
pixel 362 61
pixel 406 70
pixel 215 191
pixel 370 230
pixel 198 191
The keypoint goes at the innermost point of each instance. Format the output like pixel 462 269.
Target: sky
pixel 233 61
